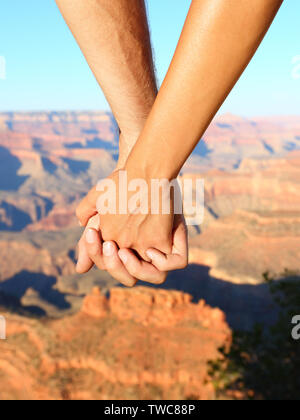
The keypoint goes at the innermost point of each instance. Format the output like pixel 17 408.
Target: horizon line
pixel 105 111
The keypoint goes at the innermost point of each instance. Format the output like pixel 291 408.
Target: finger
pixel 140 269
pixel 93 242
pixel 115 266
pixel 165 262
pixel 178 259
pixel 163 246
pixel 84 263
pixel 180 237
pixel 142 254
pixel 87 207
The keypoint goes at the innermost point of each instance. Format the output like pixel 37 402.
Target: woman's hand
pixel 130 227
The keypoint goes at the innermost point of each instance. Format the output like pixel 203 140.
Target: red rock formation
pixel 95 305
pixel 160 307
pixel 150 345
pixel 151 307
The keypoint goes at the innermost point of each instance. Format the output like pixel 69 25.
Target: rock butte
pixel 138 344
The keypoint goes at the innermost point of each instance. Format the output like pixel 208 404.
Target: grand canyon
pixel 84 337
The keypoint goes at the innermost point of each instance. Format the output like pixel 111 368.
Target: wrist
pixel 129 135
pixel 147 163
pixel 126 145
pixel 127 142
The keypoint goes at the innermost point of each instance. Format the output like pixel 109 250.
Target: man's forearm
pixel 219 39
pixel 114 37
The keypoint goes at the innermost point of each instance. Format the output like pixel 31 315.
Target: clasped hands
pixel 131 246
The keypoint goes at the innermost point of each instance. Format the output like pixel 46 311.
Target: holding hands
pixel 131 247
pixel 159 130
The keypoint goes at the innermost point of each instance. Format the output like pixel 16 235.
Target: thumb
pixel 87 207
pixel 180 237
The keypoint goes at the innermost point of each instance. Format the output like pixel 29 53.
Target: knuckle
pixel 126 279
pixel 78 269
pixel 160 265
pixel 164 245
pixel 134 271
pixel 131 283
pixel 160 280
pixel 183 264
pixel 125 241
pixel 161 239
pixel 125 244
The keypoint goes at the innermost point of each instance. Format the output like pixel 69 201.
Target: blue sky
pixel 45 69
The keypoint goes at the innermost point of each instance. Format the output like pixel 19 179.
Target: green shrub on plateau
pixel 264 363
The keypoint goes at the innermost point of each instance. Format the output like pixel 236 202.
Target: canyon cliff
pixel 141 344
pixel 65 342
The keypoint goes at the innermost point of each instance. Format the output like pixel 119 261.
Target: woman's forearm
pixel 114 37
pixel 218 40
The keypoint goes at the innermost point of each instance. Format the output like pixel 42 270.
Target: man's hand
pixel 123 264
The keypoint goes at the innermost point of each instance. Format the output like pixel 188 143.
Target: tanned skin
pixel 218 41
pixel 114 38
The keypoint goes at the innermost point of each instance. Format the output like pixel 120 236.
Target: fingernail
pixel 108 249
pixel 150 255
pixel 123 257
pixel 91 236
